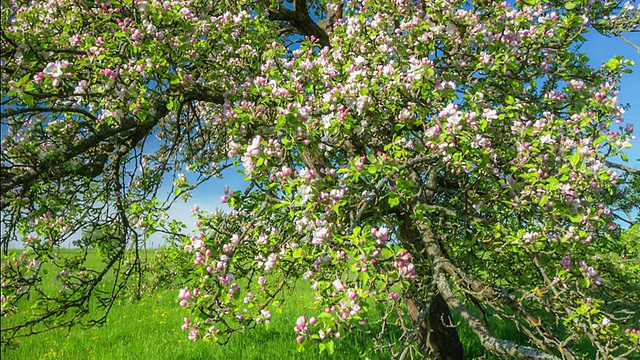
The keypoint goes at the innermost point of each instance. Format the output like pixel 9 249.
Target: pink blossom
pixel 301 321
pixel 629 128
pixel 193 335
pixel 351 294
pixel 300 324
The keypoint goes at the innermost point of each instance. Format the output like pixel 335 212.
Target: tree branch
pixel 439 265
pixel 377 189
pixel 300 20
pixel 491 343
pixel 629 42
pixel 625 168
pixel 14 112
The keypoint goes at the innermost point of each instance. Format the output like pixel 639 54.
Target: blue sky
pixel 600 49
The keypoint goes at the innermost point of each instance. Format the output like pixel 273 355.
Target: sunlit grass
pixel 150 329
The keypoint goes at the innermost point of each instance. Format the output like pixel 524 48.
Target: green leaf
pixel 575 159
pixel 509 99
pixel 329 347
pixel 394 201
pixel 364 277
pixel 387 253
pixel 483 124
pixel 544 200
pixel 28 99
pixel 570 5
pixel 585 283
pixel 22 80
pixel 583 309
pixel 600 140
pixel 614 63
pixel 624 157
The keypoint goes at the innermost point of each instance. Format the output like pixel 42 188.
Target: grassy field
pixel 150 329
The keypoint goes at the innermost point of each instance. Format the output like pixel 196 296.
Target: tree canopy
pixel 421 163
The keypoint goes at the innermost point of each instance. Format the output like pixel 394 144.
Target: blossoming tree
pixel 422 164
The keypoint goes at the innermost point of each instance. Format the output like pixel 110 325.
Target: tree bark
pixel 444 340
pixel 436 334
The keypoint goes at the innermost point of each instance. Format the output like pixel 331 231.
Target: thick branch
pixel 36 110
pixel 491 343
pixel 334 10
pixel 439 263
pixel 28 177
pixel 128 134
pixel 300 20
pixel 625 168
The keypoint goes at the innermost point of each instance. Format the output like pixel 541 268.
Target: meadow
pixel 150 329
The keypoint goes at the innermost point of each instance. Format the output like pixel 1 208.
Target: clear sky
pixel 600 49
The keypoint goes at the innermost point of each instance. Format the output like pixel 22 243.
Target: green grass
pixel 150 329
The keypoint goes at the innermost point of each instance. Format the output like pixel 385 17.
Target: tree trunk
pixel 444 340
pixel 436 335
